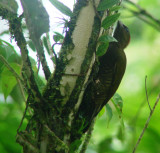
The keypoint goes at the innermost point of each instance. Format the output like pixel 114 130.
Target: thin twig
pixel 135 118
pixel 41 57
pixel 21 139
pixel 18 78
pixel 55 55
pixel 49 44
pixel 24 114
pixel 55 138
pixel 147 93
pixel 140 16
pixel 16 31
pixel 157 27
pixel 146 125
pixel 87 138
pixel 144 15
pixel 50 47
pixel 38 65
pixel 21 89
pixel 144 12
pixel 10 68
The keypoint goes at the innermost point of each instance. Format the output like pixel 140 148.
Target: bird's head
pixel 122 34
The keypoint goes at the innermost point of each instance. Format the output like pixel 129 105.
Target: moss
pixel 51 93
pixel 84 68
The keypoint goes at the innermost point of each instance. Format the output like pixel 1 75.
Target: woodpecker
pixel 111 69
pixel 104 84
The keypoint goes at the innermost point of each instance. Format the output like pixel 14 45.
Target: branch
pixel 18 78
pixel 146 125
pixel 22 139
pixel 24 114
pixel 41 56
pixel 144 15
pixel 16 30
pixel 87 138
pixel 58 141
pixel 50 47
pixel 10 68
pixel 54 53
pixel 144 12
pixel 147 93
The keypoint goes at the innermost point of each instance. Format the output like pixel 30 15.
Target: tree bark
pixel 51 128
pixel 53 116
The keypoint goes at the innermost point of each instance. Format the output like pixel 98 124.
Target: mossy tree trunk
pixel 51 128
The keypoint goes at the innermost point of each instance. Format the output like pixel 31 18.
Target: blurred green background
pixel 143 59
pixel 143 56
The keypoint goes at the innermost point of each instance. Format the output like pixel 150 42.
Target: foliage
pixel 117 130
pixel 104 5
pixel 60 6
pixel 143 59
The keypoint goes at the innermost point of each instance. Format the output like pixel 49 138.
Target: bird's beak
pixel 119 23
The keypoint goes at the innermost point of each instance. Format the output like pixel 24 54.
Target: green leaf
pixel 118 103
pixel 101 112
pixel 109 20
pixel 4 54
pixel 8 52
pixel 106 4
pixel 46 44
pixel 111 39
pixel 74 144
pixel 7 45
pixel 16 94
pixel 3 51
pixel 108 113
pixel 14 58
pixel 118 100
pixel 121 130
pixel 34 64
pixel 31 45
pixel 62 8
pixel 115 8
pixel 59 34
pixel 106 38
pixel 8 79
pixel 102 49
pixel 57 37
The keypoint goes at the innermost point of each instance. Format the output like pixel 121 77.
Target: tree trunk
pixel 51 128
